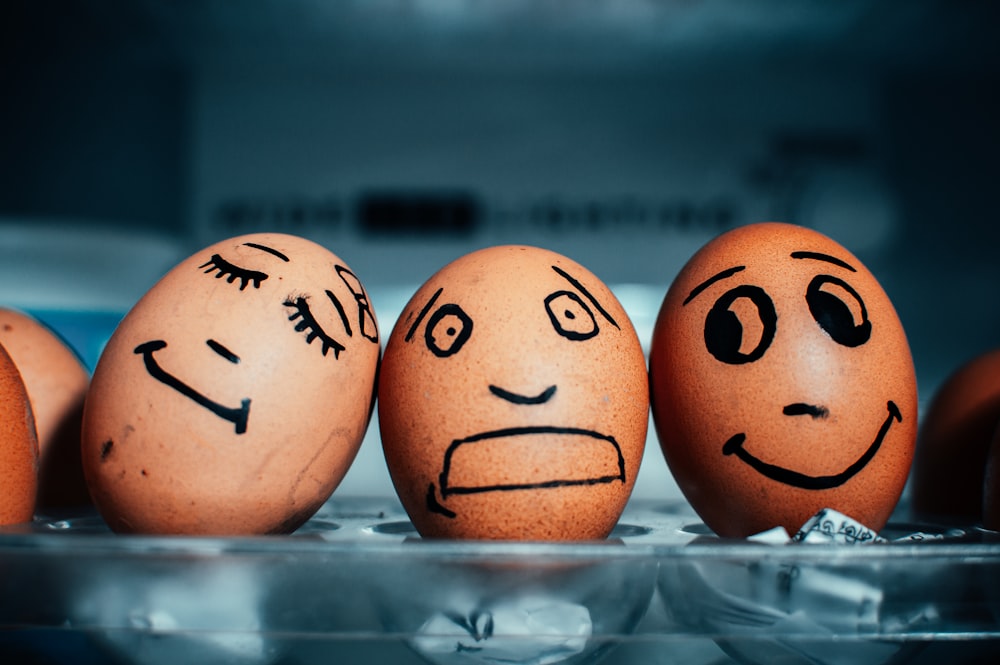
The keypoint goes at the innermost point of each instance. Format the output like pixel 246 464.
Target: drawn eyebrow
pixel 269 250
pixel 582 289
pixel 728 272
pixel 422 314
pixel 223 351
pixel 818 256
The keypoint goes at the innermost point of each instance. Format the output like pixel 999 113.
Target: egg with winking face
pixel 233 397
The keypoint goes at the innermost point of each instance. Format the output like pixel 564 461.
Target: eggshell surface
pixel 513 400
pixel 18 447
pixel 56 382
pixel 234 396
pixel 782 383
pixel 953 442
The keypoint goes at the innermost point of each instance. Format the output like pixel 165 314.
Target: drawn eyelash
pixel 224 267
pixel 308 323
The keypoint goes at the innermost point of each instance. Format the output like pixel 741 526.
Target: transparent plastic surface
pixel 357 584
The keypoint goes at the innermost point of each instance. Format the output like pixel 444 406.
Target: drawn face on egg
pixel 246 376
pixel 782 383
pixel 511 380
pixel 330 340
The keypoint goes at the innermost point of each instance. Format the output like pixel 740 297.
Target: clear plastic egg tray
pixel 358 584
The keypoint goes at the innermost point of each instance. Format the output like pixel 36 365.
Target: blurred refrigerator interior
pixel 403 134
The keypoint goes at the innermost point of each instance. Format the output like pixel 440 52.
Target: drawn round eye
pixel 447 330
pixel 839 310
pixel 741 325
pixel 570 316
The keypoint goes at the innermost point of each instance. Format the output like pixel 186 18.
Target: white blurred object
pixel 528 631
pixel 78 266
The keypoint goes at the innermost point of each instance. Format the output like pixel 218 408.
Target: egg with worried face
pixel 513 400
pixel 234 396
pixel 782 383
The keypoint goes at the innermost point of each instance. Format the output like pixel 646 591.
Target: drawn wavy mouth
pixel 734 446
pixel 501 461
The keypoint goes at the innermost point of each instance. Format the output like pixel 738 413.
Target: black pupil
pixel 834 315
pixel 570 315
pixel 448 329
pixel 723 332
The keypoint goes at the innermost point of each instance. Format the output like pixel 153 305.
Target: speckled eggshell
pixel 56 381
pixel 18 447
pixel 513 400
pixel 234 396
pixel 782 383
pixel 954 438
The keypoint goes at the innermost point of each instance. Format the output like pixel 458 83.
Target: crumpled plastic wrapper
pixel 528 631
pixel 773 610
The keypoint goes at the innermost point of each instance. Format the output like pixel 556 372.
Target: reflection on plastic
pixel 528 631
pixel 160 620
pixel 769 611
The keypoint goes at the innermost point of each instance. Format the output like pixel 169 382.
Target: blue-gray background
pixel 404 134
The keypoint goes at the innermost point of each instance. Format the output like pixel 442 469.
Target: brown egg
pixel 954 437
pixel 18 447
pixel 991 484
pixel 56 381
pixel 782 383
pixel 513 400
pixel 234 395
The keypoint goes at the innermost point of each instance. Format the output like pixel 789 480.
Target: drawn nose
pixel 517 398
pixel 801 409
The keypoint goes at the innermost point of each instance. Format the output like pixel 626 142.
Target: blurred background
pixel 403 134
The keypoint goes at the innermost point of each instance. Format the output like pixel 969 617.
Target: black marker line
pixel 236 416
pixel 365 313
pixel 818 256
pixel 728 272
pixel 582 289
pixel 800 409
pixel 311 326
pixel 269 250
pixel 788 477
pixel 517 398
pixel 340 310
pixel 422 314
pixel 223 351
pixel 447 490
pixel 223 267
pixel 434 506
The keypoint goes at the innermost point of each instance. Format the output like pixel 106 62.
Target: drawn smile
pixel 238 416
pixel 734 446
pixel 502 460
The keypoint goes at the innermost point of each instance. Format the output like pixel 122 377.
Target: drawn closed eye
pixel 224 268
pixel 307 323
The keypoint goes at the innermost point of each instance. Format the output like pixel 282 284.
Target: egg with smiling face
pixel 782 383
pixel 234 395
pixel 513 400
